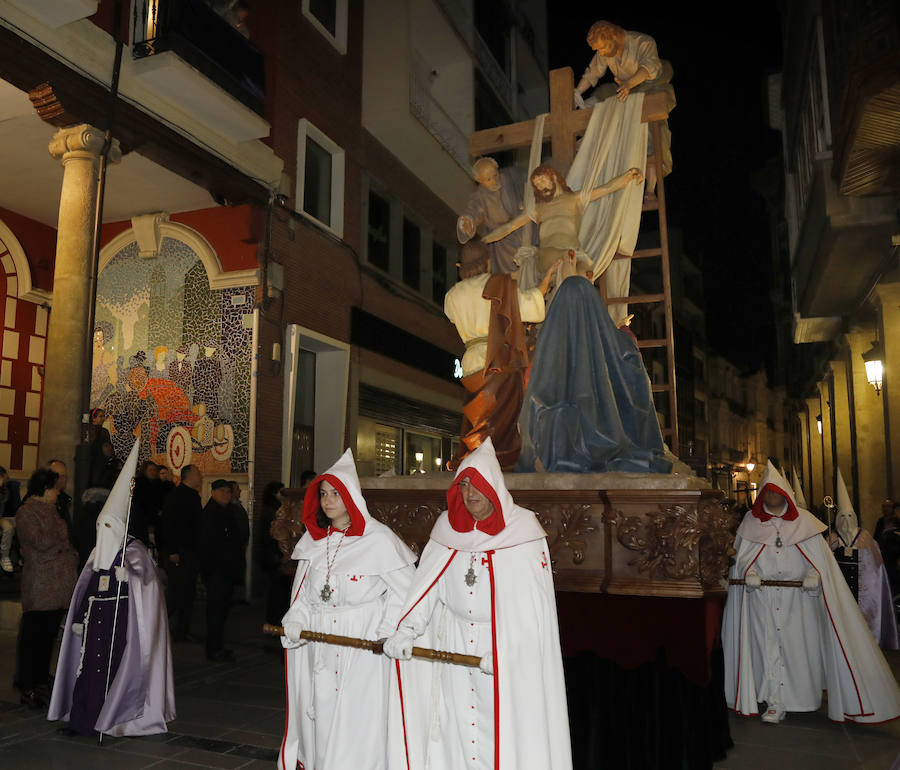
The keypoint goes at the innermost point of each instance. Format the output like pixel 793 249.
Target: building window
pixel 387 449
pixel 379 232
pixel 330 18
pixel 423 453
pixel 438 272
pixel 412 252
pixel 320 178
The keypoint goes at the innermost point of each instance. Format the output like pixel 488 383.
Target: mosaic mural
pixel 172 360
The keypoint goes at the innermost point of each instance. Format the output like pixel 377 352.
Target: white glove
pixel 399 646
pixel 122 574
pixel 579 100
pixel 291 638
pixel 812 583
pixel 487 664
pixel 752 581
pixel 78 629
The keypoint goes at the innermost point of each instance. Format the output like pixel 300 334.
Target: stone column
pixel 889 334
pixel 68 338
pixel 840 408
pixel 869 410
pixel 827 427
pixel 816 487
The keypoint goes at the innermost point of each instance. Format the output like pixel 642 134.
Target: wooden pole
pixel 439 656
pixel 777 583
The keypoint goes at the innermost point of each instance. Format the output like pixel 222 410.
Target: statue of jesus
pixel 558 212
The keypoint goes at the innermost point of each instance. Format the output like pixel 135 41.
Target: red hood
pixel 789 515
pixel 460 518
pixel 311 508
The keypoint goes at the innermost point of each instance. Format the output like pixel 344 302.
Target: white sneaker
pixel 773 714
pixel 5 564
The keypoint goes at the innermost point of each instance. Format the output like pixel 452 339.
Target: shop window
pixel 423 453
pixel 387 449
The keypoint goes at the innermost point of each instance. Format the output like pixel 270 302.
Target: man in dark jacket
pixel 223 540
pixel 178 547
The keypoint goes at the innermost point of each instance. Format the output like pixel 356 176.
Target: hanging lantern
pixel 874 366
pixel 819 423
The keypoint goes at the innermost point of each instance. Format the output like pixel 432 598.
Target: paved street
pixel 231 716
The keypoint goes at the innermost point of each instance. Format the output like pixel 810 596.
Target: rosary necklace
pixel 470 575
pixel 778 541
pixel 329 560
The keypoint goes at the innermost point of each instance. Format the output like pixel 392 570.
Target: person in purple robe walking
pixel 114 674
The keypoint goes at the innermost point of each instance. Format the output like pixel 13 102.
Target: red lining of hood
pixel 311 508
pixel 460 518
pixel 789 515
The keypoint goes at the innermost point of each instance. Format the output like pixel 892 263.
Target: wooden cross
pixel 563 127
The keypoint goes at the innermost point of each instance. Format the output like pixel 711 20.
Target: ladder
pixel 661 252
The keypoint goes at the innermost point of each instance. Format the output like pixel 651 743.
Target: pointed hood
pixel 763 524
pixel 846 523
pixel 798 490
pixel 111 523
pixel 508 524
pixel 343 477
pixel 367 548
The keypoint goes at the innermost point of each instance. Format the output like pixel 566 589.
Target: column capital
pixel 888 293
pixel 82 141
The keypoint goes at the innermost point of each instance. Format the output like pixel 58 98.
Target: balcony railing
pixel 429 112
pixel 201 37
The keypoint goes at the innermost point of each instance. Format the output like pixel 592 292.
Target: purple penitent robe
pixel 141 698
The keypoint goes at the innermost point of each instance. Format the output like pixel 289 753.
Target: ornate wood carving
pixel 677 542
pixel 568 527
pixel 412 522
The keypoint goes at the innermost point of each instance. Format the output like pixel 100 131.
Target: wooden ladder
pixel 669 431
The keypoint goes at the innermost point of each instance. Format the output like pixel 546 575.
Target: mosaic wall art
pixel 172 360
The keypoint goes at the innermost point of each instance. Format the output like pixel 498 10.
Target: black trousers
pixel 219 589
pixel 181 591
pixel 37 634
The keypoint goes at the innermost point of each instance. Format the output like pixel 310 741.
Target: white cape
pixel 529 715
pixel 786 643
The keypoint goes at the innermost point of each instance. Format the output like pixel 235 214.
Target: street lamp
pixel 750 465
pixel 874 366
pixel 819 423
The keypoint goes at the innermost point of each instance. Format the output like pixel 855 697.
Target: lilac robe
pixel 141 696
pixel 873 590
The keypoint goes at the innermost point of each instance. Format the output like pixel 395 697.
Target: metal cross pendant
pixel 778 542
pixel 470 577
pixel 326 592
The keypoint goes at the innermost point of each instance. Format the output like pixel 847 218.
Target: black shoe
pixel 222 656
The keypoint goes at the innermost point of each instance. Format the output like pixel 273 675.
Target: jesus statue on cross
pixel 558 212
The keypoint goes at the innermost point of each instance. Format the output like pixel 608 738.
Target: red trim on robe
pixel 402 712
pixel 789 515
pixel 843 652
pixel 287 709
pixel 460 518
pixel 737 685
pixel 311 507
pixel 452 556
pixel 496 656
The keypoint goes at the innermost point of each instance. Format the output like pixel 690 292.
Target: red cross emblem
pixel 354 578
pixel 543 562
pixel 484 560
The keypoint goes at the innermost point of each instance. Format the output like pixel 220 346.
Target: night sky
pixel 720 136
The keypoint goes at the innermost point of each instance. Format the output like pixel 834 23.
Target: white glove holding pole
pixel 399 646
pixel 812 583
pixel 752 581
pixel 291 639
pixel 487 664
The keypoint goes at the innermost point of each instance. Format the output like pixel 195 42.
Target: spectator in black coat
pixel 223 541
pixel 177 542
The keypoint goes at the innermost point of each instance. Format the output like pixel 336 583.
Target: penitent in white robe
pixel 784 645
pixel 470 312
pixel 449 717
pixel 337 696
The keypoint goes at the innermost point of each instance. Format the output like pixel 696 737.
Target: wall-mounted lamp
pixel 874 366
pixel 819 423
pixel 750 465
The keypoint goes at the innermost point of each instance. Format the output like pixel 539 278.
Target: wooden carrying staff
pixel 377 647
pixel 778 583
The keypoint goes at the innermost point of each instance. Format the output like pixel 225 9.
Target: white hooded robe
pixel 785 645
pixel 336 715
pixel 449 717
